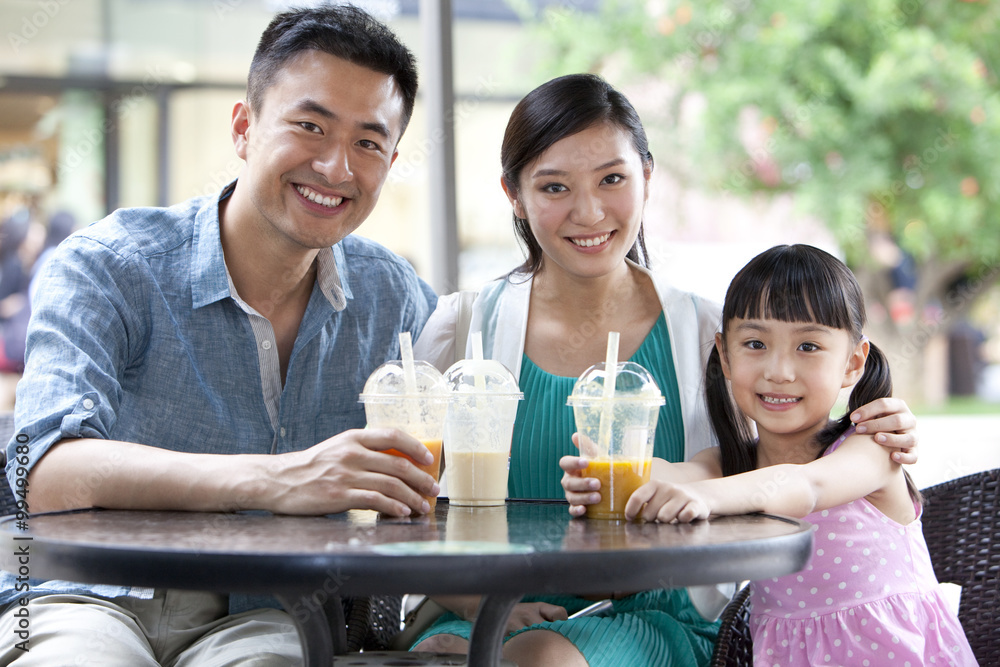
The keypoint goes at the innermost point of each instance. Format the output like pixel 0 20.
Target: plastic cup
pixel 478 430
pixel 622 458
pixel 418 410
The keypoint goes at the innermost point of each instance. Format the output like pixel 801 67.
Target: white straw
pixel 409 371
pixel 477 355
pixel 610 377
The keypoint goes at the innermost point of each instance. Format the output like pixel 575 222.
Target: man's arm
pixel 345 472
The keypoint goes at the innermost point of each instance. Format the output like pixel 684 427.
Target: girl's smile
pixel 778 402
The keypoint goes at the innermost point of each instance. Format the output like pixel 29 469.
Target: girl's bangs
pixel 788 289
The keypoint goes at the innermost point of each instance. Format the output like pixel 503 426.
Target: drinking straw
pixel 477 355
pixel 610 377
pixel 409 370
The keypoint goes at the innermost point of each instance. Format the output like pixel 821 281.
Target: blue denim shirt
pixel 137 336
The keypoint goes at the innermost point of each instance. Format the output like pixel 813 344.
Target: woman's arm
pixel 857 468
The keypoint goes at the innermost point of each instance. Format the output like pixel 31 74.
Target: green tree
pixel 881 117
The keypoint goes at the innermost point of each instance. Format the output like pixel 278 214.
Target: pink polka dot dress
pixel 867 598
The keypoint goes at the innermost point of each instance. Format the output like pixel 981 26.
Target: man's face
pixel 318 149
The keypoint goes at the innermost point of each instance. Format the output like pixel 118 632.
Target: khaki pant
pixel 174 629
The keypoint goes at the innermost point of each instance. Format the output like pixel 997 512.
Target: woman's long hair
pixel 797 283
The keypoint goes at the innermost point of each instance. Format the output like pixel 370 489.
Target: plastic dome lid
pixel 486 376
pixel 388 383
pixel 632 382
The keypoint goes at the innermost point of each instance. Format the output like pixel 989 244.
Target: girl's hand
pixel 530 613
pixel 666 503
pixel 580 491
pixel 893 425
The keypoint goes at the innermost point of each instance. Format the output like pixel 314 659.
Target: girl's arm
pixel 858 468
pixel 582 491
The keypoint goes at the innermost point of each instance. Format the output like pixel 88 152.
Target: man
pixel 209 356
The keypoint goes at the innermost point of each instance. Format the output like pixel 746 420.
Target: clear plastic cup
pixel 616 432
pixel 478 430
pixel 419 410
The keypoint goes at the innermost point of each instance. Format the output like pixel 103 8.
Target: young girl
pixel 791 340
pixel 576 168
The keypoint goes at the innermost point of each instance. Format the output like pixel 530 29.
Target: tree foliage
pixel 882 117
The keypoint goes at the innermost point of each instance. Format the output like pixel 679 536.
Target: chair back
pixel 734 645
pixel 961 522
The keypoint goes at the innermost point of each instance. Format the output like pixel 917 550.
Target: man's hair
pixel 339 30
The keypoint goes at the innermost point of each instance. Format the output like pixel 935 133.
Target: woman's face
pixel 583 199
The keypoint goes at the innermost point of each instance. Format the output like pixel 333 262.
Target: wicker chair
pixel 372 621
pixel 961 520
pixel 734 646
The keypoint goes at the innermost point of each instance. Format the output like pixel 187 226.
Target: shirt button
pixel 87 404
pixel 266 345
pixel 282 431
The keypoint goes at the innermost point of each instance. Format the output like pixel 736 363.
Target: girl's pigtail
pixel 731 427
pixel 875 383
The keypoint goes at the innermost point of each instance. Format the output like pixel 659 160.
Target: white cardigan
pixel 500 312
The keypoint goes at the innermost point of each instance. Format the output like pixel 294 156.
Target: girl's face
pixel 786 376
pixel 583 199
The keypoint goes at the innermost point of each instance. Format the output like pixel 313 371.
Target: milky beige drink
pixel 477 478
pixel 477 431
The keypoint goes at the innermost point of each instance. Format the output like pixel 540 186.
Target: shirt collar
pixel 210 280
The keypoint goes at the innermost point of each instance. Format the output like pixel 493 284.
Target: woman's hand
pixel 666 503
pixel 580 491
pixel 530 613
pixel 893 425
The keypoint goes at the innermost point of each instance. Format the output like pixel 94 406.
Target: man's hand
pixel 352 471
pixel 893 425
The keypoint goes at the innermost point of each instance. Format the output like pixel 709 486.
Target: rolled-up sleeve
pixel 77 345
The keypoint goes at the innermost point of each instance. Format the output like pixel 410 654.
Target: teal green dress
pixel 658 627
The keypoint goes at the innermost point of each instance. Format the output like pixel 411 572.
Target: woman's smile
pixel 591 242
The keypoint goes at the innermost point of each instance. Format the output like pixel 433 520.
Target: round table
pixel 501 552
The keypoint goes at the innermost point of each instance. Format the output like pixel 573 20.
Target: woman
pixel 576 169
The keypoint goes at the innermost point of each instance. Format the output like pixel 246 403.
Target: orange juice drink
pixel 433 468
pixel 619 479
